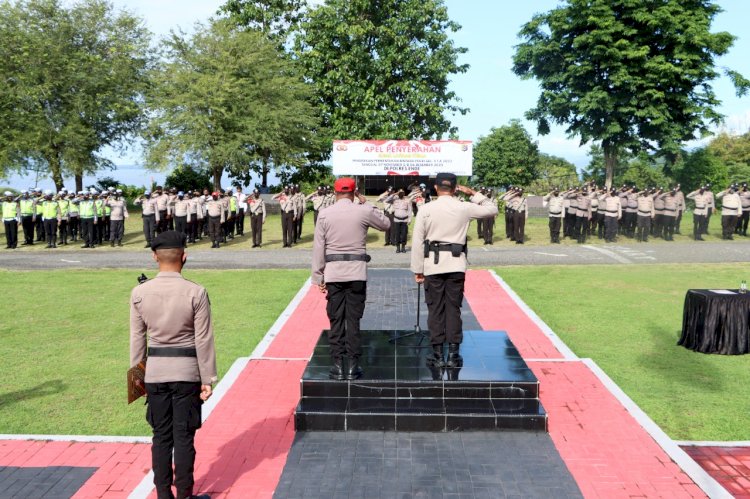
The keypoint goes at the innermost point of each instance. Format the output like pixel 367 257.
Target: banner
pixel 401 157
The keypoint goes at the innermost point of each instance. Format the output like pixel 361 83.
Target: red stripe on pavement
pixel 298 336
pixel 730 466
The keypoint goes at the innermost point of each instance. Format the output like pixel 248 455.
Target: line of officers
pixel 639 213
pixel 91 216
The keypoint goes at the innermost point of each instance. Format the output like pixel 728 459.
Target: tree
pixel 700 167
pixel 631 74
pixel 274 18
pixel 73 79
pixel 732 149
pixel 644 171
pixel 597 170
pixel 187 178
pixel 553 171
pixel 506 156
pixel 230 100
pixel 382 69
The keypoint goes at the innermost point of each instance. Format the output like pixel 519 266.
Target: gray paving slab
pixel 49 482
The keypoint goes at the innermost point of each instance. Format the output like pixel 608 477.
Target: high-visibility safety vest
pixel 86 209
pixel 39 206
pixel 27 207
pixel 99 207
pixel 233 204
pixel 64 206
pixel 9 210
pixel 107 210
pixel 49 209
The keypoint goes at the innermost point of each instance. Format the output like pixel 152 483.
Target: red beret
pixel 345 184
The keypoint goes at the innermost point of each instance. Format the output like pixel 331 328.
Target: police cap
pixel 168 240
pixel 446 180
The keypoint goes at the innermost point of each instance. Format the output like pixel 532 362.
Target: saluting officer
pixel 299 198
pixel 216 217
pixel 150 215
pixel 318 198
pixel 28 217
pixel 170 322
pixel 701 200
pixel 438 258
pixel 11 214
pixel 339 266
pixel 52 217
pixel 89 218
pixel 118 213
pixel 288 215
pixel 257 208
pixel 554 203
pixel 612 214
pixel 731 210
pixel 645 214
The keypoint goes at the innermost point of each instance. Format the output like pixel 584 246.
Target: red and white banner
pixel 401 157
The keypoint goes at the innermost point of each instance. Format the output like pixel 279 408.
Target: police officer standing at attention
pixel 118 213
pixel 288 215
pixel 170 323
pixel 438 259
pixel 339 266
pixel 150 215
pixel 257 208
pixel 11 212
pixel 554 204
pixel 28 217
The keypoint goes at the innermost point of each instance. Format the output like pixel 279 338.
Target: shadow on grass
pixel 45 389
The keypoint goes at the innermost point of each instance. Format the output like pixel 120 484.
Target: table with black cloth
pixel 716 322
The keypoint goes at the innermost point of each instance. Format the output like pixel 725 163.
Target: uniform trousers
pixel 174 413
pixel 600 225
pixel 315 218
pixel 50 229
pixel 677 221
pixel 668 230
pixel 709 212
pixel 214 228
pixel 11 232
pixel 657 230
pixel 298 227
pixel 162 225
pixel 287 227
pixel 508 223
pixel 728 223
pixel 241 222
pixel 699 225
pixel 39 227
pixel 610 228
pixel 192 227
pixel 480 227
pixel 149 227
pixel 742 222
pixel 401 231
pixel 488 230
pixel 631 219
pixel 554 229
pixel 519 225
pixel 389 239
pixel 27 222
pixel 106 228
pixel 444 295
pixel 180 224
pixel 569 224
pixel 582 224
pixel 345 307
pixel 231 223
pixel 63 228
pixel 87 231
pixel 74 226
pixel 256 226
pixel 643 227
pixel 116 230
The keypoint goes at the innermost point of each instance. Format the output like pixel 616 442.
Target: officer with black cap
pixel 438 259
pixel 170 323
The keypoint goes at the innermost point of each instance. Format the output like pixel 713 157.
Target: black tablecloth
pixel 715 322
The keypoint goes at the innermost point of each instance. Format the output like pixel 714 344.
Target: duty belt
pixel 645 212
pixel 348 258
pixel 555 212
pixel 401 218
pixel 437 246
pixel 172 352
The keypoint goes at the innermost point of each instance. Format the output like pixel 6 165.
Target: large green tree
pixel 507 156
pixel 551 172
pixel 274 18
pixel 632 74
pixel 699 167
pixel 382 68
pixel 229 99
pixel 73 77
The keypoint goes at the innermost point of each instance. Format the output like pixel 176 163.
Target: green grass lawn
pixel 628 319
pixel 537 234
pixel 65 342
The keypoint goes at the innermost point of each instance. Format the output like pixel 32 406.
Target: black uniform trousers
pixel 742 222
pixel 87 231
pixel 256 226
pixel 74 226
pixel 116 230
pixel 569 224
pixel 315 217
pixel 600 224
pixel 39 228
pixel 149 227
pixel 163 224
pixel 699 225
pixel 488 229
pixel 192 227
pixel 657 229
pixel 214 228
pixel 554 229
pixel 668 229
pixel 610 229
pixel 11 233
pixel 508 223
pixel 444 295
pixel 519 225
pixel 582 224
pixel 389 238
pixel 401 231
pixel 643 227
pixel 231 223
pixel 709 212
pixel 728 223
pixel 63 229
pixel 287 227
pixel 345 308
pixel 480 228
pixel 298 227
pixel 27 222
pixel 106 228
pixel 241 222
pixel 678 221
pixel 50 229
pixel 180 224
pixel 174 413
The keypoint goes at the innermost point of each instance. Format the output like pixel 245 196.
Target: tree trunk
pixel 217 171
pixel 610 160
pixel 264 173
pixel 79 182
pixel 55 169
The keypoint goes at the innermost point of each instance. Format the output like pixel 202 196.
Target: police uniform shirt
pixel 701 201
pixel 745 200
pixel 645 206
pixel 215 208
pixel 387 199
pixel 680 201
pixel 181 207
pixel 612 207
pixel 554 205
pixel 446 220
pixel 287 203
pixel 730 203
pixel 162 202
pixel 256 206
pixel 173 312
pixel 632 200
pixel 149 207
pixel 342 229
pixel 658 203
pixel 119 209
pixel 401 208
pixel 670 204
pixel 584 206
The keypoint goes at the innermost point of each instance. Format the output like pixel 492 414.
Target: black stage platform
pixel 494 390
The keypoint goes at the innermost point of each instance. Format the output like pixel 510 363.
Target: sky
pixel 489 88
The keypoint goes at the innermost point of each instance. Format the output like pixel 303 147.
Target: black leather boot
pixel 337 369
pixel 435 359
pixel 353 370
pixel 454 358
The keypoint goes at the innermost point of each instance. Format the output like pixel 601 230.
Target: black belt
pixel 348 258
pixel 555 212
pixel 400 218
pixel 143 215
pixel 611 211
pixel 437 246
pixel 645 212
pixel 172 352
pixel 667 209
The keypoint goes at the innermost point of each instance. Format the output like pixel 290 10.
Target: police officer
pixel 731 210
pixel 65 204
pixel 301 210
pixel 52 216
pixel 318 198
pixel 583 215
pixel 74 221
pixel 387 199
pixel 241 209
pixel 438 259
pixel 195 216
pixel 118 213
pixel 162 207
pixel 150 215
pixel 288 215
pixel 554 204
pixel 700 213
pixel 645 210
pixel 401 218
pixel 87 211
pixel 27 206
pixel 742 223
pixel 520 214
pixel 170 323
pixel 612 214
pixel 216 218
pixel 11 213
pixel 257 208
pixel 339 266
pixel 488 227
pixel 710 207
pixel 181 210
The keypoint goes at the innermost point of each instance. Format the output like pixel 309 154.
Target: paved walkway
pixel 606 444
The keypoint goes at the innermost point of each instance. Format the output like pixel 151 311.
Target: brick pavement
pixel 729 465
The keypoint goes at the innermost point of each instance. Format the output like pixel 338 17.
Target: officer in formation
pixel 731 210
pixel 516 213
pixel 170 325
pixel 216 215
pixel 289 214
pixel 118 213
pixel 11 212
pixel 438 259
pixel 702 200
pixel 150 215
pixel 241 200
pixel 742 222
pixel 402 213
pixel 318 199
pixel 257 209
pixel 386 201
pixel 486 226
pixel 339 268
pixel 555 204
pixel 301 201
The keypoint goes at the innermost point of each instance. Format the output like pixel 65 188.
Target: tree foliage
pixel 73 77
pixel 382 69
pixel 553 171
pixel 506 156
pixel 229 99
pixel 188 178
pixel 699 167
pixel 732 149
pixel 274 18
pixel 632 74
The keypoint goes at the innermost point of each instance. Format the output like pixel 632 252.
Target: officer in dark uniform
pixel 170 320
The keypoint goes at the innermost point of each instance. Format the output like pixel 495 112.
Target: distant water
pixel 125 174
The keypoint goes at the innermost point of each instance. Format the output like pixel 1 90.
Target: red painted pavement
pixel 730 466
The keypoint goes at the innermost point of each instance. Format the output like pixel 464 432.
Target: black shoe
pixel 519 242
pixel 112 244
pixel 353 370
pixel 53 245
pixel 435 359
pixel 148 245
pixel 337 369
pixel 119 243
pixel 454 358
